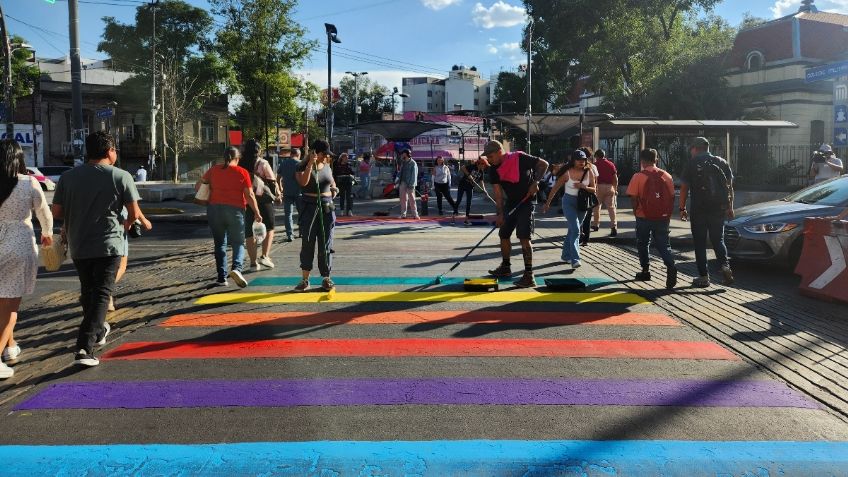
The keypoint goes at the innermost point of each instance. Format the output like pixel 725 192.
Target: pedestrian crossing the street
pixel 384 378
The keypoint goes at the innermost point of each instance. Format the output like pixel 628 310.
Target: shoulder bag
pixel 585 200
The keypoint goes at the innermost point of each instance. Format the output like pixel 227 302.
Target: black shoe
pixel 526 281
pixel 671 278
pixel 643 276
pixel 288 238
pixel 614 232
pixel 595 228
pixel 85 359
pixel 583 244
pixel 502 271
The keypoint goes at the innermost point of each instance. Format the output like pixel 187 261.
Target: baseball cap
pixel 825 148
pixel 492 147
pixel 578 155
pixel 700 142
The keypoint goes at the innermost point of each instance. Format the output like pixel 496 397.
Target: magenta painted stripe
pixel 468 391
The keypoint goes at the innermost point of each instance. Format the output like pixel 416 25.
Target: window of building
pixel 816 132
pixel 476 102
pixel 755 61
pixel 209 130
pixel 429 93
pixel 429 106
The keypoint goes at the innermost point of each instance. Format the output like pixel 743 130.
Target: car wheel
pixel 43 186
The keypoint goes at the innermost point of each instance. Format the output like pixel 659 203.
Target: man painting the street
pixel 515 179
pixel 407 180
pixel 89 199
pixel 711 181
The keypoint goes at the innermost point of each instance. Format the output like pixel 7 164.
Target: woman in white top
pixel 20 196
pixel 576 175
pixel 441 182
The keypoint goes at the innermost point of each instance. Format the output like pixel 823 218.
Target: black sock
pixel 527 252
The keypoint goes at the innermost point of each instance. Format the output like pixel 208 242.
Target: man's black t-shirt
pixel 690 171
pixel 516 191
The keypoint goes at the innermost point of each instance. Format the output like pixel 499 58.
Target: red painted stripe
pixel 418 317
pixel 422 347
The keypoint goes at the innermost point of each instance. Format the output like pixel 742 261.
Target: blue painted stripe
pixel 383 281
pixel 435 458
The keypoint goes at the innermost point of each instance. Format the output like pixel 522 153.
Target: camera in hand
pixel 819 158
pixel 135 229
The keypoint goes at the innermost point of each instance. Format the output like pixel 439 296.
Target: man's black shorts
pixel 521 221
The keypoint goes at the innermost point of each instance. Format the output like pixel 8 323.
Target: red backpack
pixel 655 201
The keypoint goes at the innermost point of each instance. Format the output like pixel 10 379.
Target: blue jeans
pixel 365 186
pixel 573 219
pixel 460 192
pixel 227 224
pixel 290 204
pixel 712 224
pixel 658 229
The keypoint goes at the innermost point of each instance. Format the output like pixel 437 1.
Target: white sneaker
pixel 265 261
pixel 222 283
pixel 106 330
pixel 11 355
pixel 255 267
pixel 85 359
pixel 575 265
pixel 6 372
pixel 238 278
pixel 403 216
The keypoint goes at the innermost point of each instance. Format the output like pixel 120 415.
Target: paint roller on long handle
pixel 438 279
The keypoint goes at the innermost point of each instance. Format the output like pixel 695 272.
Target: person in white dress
pixel 20 196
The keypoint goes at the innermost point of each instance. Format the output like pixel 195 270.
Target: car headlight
pixel 772 228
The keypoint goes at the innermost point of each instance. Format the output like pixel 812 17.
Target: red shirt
pixel 228 185
pixel 606 171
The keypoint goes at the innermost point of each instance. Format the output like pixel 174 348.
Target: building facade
pixel 772 60
pixel 464 89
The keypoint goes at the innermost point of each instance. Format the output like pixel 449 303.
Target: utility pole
pixel 356 107
pixel 36 93
pixel 77 132
pixel 529 80
pixel 154 4
pixel 332 37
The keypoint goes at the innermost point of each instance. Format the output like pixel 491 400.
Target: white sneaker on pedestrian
pixel 222 283
pixel 11 355
pixel 403 215
pixel 6 372
pixel 85 359
pixel 238 278
pixel 106 330
pixel 254 267
pixel 576 264
pixel 265 261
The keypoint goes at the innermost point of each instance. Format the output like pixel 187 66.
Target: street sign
pixel 104 113
pixel 826 72
pixel 840 137
pixel 840 114
pixel 284 138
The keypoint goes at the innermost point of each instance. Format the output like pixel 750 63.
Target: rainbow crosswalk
pixel 378 331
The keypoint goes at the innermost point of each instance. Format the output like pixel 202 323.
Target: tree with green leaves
pixel 647 57
pixel 188 70
pixel 24 72
pixel 374 98
pixel 262 44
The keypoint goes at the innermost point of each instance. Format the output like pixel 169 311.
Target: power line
pixel 349 10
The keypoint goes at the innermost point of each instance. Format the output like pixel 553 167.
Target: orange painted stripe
pixel 418 317
pixel 532 348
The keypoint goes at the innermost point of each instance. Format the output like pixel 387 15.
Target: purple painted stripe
pixel 468 391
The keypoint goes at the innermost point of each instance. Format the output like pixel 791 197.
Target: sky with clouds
pixel 389 39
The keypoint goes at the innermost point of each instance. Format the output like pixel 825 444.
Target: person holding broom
pixel 515 179
pixel 318 216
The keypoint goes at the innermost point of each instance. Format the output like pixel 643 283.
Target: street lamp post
pixel 356 106
pixel 395 92
pixel 332 37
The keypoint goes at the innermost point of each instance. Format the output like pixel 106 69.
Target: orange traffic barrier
pixel 822 266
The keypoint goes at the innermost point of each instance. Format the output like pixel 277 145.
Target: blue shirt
pixel 286 171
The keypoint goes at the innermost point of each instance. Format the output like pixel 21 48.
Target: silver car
pixel 772 231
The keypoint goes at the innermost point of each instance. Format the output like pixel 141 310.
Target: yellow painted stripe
pixel 355 297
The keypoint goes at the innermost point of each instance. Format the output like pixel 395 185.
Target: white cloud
pixel 500 14
pixel 439 4
pixel 514 46
pixel 786 7
pixel 492 49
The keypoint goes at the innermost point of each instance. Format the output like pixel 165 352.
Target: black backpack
pixel 710 185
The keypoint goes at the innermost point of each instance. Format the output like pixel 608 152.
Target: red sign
pixel 297 140
pixel 235 138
